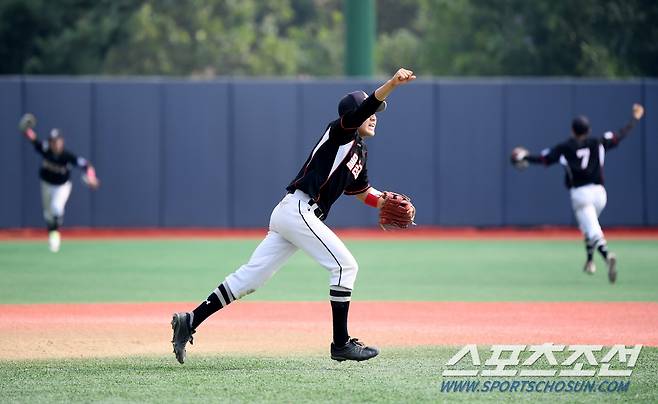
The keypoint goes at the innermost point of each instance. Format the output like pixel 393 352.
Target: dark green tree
pixel 604 38
pixel 60 37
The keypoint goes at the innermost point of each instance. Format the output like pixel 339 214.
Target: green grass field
pixel 441 270
pixel 401 376
pixel 186 270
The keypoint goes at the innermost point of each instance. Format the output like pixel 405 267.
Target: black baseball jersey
pixel 582 159
pixel 337 163
pixel 56 168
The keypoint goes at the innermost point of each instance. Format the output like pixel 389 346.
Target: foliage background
pixel 206 38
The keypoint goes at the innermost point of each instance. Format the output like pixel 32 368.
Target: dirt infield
pixel 276 328
pixel 421 232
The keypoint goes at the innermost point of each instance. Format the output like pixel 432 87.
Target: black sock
pixel 590 251
pixel 603 249
pixel 340 306
pixel 219 298
pixel 53 224
pixel 339 313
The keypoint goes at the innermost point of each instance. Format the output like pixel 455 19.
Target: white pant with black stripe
pixel 588 202
pixel 53 199
pixel 293 226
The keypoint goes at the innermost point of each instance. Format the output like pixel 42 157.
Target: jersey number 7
pixel 583 155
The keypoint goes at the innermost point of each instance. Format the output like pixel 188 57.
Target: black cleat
pixel 353 351
pixel 180 324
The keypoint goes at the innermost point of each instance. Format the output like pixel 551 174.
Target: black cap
pixel 56 133
pixel 352 101
pixel 580 125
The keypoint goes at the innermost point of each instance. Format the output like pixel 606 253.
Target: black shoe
pixel 180 324
pixel 353 351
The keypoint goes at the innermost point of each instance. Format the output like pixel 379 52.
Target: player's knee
pixel 240 286
pixel 47 216
pixel 348 265
pixel 352 266
pixel 248 278
pixel 57 211
pixel 594 234
pixel 344 273
pixel 596 239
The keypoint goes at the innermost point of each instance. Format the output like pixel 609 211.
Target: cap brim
pixel 382 107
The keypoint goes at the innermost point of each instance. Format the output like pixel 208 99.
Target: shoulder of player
pixel 566 145
pixel 337 132
pixel 41 144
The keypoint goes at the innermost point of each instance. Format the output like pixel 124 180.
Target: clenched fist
pixel 403 76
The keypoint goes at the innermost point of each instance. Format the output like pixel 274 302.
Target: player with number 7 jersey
pixel 583 158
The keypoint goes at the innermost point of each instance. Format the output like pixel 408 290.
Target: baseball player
pixel 55 175
pixel 582 158
pixel 335 166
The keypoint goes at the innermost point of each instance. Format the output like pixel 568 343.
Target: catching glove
pixel 27 121
pixel 518 157
pixel 397 212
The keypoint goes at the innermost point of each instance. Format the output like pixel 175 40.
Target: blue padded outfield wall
pixel 185 153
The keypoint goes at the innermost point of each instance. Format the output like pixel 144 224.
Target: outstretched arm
pixel 30 134
pixel 402 76
pixel 89 175
pixel 536 159
pixel 521 157
pixel 612 139
pixel 90 178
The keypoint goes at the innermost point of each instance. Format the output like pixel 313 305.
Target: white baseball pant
pixel 587 202
pixel 53 199
pixel 293 226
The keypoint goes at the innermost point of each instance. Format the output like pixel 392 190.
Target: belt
pixel 303 196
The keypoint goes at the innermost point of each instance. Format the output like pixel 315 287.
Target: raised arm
pixel 612 139
pixel 354 119
pixel 402 76
pixel 26 127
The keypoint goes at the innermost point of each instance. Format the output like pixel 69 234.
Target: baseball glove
pixel 397 212
pixel 27 121
pixel 518 157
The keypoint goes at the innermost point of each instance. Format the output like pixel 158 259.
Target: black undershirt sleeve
pixel 353 119
pixel 626 130
pixel 548 157
pixel 38 146
pixel 612 139
pixel 79 162
pixel 534 159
